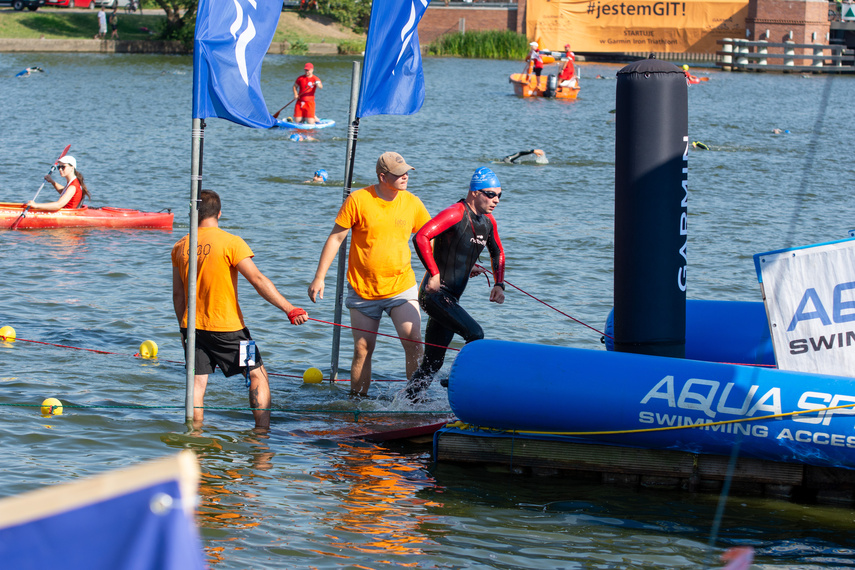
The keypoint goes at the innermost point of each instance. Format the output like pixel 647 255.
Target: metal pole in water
pixel 352 134
pixel 198 136
pixel 651 193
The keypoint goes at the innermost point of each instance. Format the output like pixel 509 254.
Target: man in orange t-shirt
pixel 380 276
pixel 219 321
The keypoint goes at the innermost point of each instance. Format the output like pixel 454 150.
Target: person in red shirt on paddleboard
pixel 304 93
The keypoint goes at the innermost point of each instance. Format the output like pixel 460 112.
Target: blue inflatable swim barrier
pixel 655 402
pixel 734 332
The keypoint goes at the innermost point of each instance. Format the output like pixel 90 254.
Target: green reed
pixel 489 44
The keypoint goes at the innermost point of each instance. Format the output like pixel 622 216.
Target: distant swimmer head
pixel 322 174
pixel 700 145
pixel 296 137
pixel 484 178
pixel 685 67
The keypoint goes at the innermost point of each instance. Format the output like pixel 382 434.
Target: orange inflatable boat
pixel 527 85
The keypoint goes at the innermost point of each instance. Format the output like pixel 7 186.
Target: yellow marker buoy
pixel 51 407
pixel 7 333
pixel 148 349
pixel 313 376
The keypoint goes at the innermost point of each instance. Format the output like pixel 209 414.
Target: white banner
pixel 810 301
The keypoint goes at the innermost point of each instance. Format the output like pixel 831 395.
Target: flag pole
pixel 352 134
pixel 198 138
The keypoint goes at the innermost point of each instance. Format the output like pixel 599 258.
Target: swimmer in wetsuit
pixel 539 156
pixel 459 234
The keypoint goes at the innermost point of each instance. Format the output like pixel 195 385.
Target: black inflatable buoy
pixel 651 192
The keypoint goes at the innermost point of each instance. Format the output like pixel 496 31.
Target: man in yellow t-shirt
pixel 219 321
pixel 380 276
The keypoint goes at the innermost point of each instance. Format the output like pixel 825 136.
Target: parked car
pixel 19 5
pixel 91 4
pixel 71 3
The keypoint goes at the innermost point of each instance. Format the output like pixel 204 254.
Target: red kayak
pixel 84 217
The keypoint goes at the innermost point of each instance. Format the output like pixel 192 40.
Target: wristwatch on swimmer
pixel 502 285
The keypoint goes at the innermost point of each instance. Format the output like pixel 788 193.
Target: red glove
pixel 295 312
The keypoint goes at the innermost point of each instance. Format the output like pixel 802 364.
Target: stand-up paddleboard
pixel 319 124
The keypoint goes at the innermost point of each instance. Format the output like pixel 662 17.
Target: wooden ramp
pixel 381 428
pixel 652 468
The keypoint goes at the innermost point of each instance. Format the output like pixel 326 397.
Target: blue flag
pixel 231 39
pixel 392 81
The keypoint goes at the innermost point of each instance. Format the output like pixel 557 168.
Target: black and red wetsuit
pixel 459 236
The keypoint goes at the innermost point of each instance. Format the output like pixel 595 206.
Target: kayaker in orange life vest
pixel 71 194
pixel 304 92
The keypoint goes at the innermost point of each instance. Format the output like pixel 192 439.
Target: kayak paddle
pixel 276 114
pixel 17 222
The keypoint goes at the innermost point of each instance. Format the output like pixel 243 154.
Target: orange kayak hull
pixel 528 86
pixel 84 217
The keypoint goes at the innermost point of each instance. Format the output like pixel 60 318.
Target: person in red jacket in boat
pixel 536 59
pixel 71 194
pixel 567 76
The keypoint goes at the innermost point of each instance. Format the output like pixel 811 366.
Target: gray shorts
pixel 373 309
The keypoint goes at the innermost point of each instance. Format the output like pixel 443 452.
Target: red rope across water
pixel 383 334
pixel 137 355
pixel 548 305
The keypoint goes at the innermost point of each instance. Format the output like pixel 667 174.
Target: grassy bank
pixel 57 23
pixel 298 29
pixel 63 25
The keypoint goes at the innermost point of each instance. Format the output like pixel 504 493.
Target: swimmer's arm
pixel 437 225
pixel 497 253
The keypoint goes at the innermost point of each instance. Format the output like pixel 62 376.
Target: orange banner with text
pixel 634 25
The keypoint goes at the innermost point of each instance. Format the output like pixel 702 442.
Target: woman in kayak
pixel 70 195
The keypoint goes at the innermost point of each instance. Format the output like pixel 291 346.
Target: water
pixel 301 496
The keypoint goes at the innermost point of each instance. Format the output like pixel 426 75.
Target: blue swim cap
pixel 322 173
pixel 295 137
pixel 484 178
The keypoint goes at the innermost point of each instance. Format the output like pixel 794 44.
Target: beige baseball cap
pixel 393 163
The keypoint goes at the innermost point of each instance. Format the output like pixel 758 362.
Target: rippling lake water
pixel 302 496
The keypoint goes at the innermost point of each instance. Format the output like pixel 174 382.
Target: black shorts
pixel 220 349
